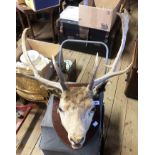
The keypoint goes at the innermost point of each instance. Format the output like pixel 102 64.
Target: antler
pixel 60 74
pixel 90 86
pixel 93 83
pixel 61 86
pixel 125 21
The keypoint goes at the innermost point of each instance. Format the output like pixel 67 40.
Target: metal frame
pixel 60 60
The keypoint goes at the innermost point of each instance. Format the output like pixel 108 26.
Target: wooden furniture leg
pixel 29 24
pixel 20 18
pixel 52 24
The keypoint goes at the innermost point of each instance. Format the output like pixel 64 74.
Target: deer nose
pixel 77 140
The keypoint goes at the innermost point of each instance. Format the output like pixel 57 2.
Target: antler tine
pixel 125 21
pixel 90 86
pixel 35 72
pixel 60 74
pixel 24 34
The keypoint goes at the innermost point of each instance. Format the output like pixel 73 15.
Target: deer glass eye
pixel 60 109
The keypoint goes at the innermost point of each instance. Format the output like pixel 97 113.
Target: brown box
pixel 101 17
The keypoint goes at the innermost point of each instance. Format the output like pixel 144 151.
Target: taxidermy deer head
pixel 76 108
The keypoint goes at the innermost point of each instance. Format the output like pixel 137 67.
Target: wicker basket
pixel 30 89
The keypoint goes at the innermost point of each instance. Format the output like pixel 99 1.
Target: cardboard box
pixel 37 5
pixel 101 17
pixel 20 1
